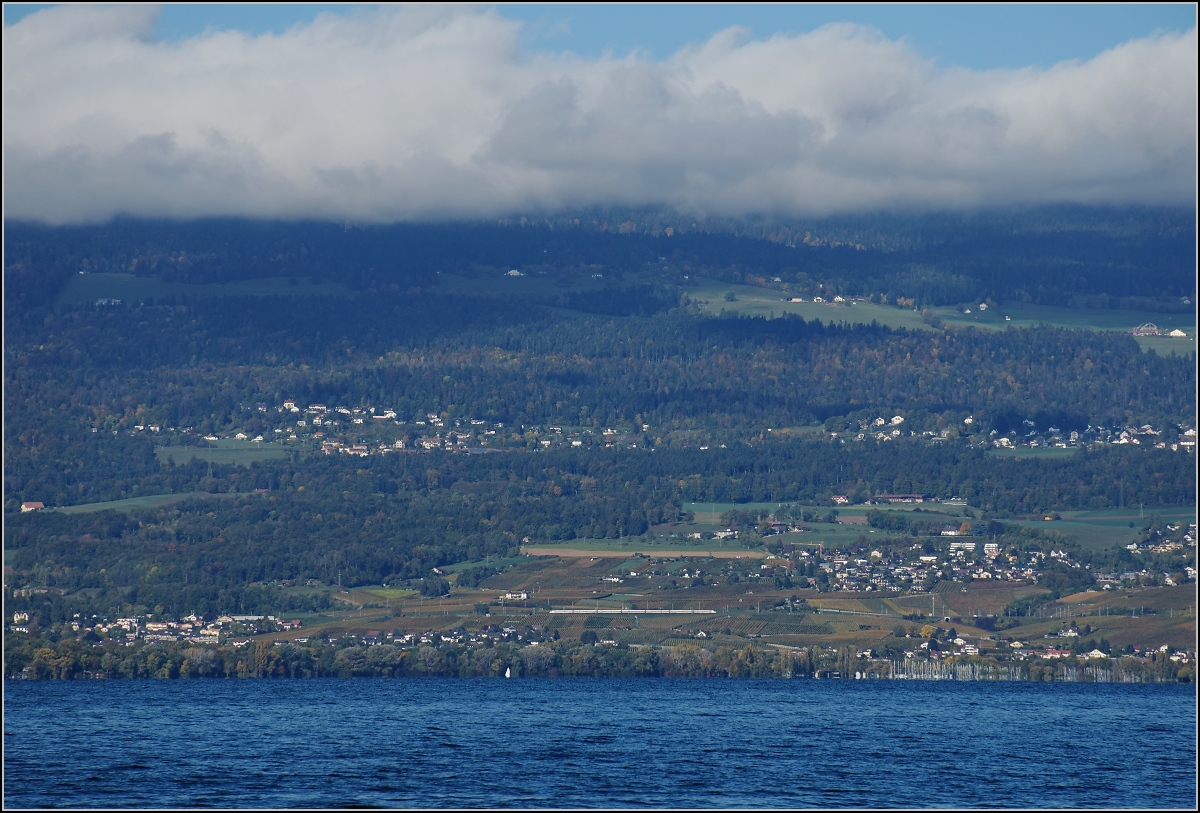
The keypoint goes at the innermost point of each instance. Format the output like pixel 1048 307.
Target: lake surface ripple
pixel 597 743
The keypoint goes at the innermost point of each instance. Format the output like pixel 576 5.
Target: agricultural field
pixel 1094 529
pixel 978 598
pixel 382 593
pixel 1103 529
pixel 754 301
pixel 225 451
pixel 1022 315
pixel 1168 513
pixel 139 503
pixel 709 513
pixel 489 562
pixel 1165 614
pixel 1174 601
pixel 1165 345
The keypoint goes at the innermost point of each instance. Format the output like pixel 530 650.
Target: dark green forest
pixel 195 364
pixel 1065 255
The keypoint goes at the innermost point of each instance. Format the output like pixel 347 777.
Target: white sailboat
pixel 508 672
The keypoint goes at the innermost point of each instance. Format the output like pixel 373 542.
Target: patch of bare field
pixel 1145 631
pixel 1178 597
pixel 846 605
pixel 860 639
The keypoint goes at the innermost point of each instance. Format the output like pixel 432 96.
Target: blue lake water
pixel 597 743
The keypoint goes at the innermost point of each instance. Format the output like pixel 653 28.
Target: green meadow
pixel 1121 321
pixel 226 451
pixel 1103 529
pixel 1094 529
pixel 139 503
pixel 1021 315
pixel 710 512
pixel 1139 515
pixel 754 301
pixel 490 561
pixel 386 593
pixel 1166 346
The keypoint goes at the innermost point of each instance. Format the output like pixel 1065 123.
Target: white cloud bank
pixel 417 113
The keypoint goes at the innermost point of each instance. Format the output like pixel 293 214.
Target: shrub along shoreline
pixel 37 659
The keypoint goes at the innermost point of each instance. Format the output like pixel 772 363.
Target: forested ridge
pixel 182 364
pixel 1051 255
pixel 708 408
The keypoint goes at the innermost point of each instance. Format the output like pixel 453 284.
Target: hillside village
pixel 365 431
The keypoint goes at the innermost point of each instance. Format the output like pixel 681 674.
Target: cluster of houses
pixel 1030 436
pixel 965 559
pixel 423 432
pixel 820 300
pixel 1151 329
pixel 915 569
pixel 193 629
pixel 493 632
pixel 1004 648
pixel 960 564
pixel 476 435
pixel 330 425
pixel 1184 439
pixel 1058 646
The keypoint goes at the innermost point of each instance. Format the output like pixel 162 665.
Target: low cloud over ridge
pixel 420 113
